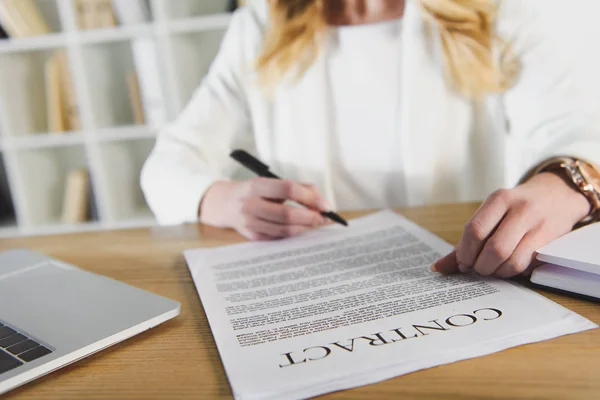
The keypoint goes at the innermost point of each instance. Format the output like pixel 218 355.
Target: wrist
pixel 566 192
pixel 214 208
pixel 581 176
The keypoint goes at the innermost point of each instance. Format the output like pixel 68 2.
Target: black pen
pixel 254 165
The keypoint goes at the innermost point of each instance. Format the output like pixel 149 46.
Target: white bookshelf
pixel 110 145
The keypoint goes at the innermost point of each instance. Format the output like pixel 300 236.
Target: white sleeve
pixel 545 109
pixel 192 152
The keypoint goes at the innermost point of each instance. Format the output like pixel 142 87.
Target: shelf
pixel 126 133
pixel 114 130
pixel 119 33
pixel 44 42
pixel 43 140
pixel 106 68
pixel 55 38
pixel 199 24
pixel 23 91
pixel 43 174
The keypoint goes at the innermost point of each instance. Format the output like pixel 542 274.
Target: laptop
pixel 53 314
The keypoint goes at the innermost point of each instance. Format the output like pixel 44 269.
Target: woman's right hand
pixel 256 209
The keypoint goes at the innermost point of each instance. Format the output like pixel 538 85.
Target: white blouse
pixel 364 71
pixel 374 122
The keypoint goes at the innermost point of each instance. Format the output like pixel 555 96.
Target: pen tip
pixel 334 217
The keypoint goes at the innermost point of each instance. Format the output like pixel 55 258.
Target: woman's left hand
pixel 504 234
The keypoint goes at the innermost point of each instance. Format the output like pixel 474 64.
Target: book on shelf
pixel 21 18
pixel 76 196
pixel 135 98
pixel 62 110
pixel 11 21
pixel 146 64
pixel 131 12
pixel 94 14
pixel 54 98
pixel 69 99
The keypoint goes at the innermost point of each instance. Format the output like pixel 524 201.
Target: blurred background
pixel 84 87
pixel 86 84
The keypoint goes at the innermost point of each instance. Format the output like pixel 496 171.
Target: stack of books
pixel 572 263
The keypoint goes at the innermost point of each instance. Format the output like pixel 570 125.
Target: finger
pixel 533 265
pixel 503 242
pixel 321 199
pixel 282 214
pixel 480 227
pixel 446 265
pixel 522 260
pixel 274 230
pixel 282 189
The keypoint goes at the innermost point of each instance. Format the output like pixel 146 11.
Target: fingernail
pixel 433 268
pixel 463 268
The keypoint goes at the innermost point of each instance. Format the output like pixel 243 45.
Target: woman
pixel 385 103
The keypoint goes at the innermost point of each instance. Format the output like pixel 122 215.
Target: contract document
pixel 338 307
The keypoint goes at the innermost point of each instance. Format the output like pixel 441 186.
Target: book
pixel 132 11
pixel 54 97
pixel 75 204
pixel 11 19
pixel 572 263
pixel 106 13
pixel 94 14
pixel 135 99
pixel 22 18
pixel 62 111
pixel 148 74
pixel 82 13
pixel 70 108
pixel 32 17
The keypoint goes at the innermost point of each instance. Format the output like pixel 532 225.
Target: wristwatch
pixel 584 176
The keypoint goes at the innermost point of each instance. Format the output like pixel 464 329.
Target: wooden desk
pixel 179 359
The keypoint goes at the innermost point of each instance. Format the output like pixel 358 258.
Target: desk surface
pixel 179 359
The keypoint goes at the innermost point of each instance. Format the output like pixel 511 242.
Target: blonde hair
pixel 466 32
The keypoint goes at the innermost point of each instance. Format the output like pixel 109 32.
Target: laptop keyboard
pixel 17 349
